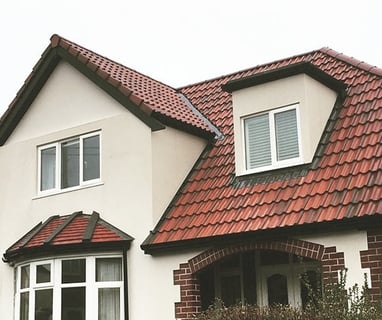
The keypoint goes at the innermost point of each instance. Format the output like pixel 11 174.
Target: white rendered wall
pixel 350 243
pixel 69 105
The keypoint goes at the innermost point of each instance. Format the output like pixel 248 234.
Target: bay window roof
pixel 77 232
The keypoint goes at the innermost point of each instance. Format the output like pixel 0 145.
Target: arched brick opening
pixel 186 276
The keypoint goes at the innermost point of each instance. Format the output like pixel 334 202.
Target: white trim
pixel 275 164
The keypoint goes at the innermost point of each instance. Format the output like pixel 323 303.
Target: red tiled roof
pixel 141 89
pixel 66 232
pixel 147 97
pixel 344 182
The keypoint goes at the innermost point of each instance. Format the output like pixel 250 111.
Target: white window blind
pixel 286 135
pixel 257 137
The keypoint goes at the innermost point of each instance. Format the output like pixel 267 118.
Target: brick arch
pixel 186 276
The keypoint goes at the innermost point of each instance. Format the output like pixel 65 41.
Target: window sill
pixel 57 192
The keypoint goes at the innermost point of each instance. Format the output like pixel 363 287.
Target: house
pixel 124 198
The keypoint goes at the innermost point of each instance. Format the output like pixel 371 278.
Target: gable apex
pixel 153 102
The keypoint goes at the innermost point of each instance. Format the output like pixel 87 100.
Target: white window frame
pixel 275 164
pixel 91 285
pixel 57 146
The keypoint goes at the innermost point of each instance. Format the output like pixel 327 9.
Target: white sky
pixel 182 42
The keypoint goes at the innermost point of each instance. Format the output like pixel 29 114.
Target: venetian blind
pixel 257 140
pixel 286 135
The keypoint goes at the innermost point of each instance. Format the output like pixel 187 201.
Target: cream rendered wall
pixel 174 154
pixel 69 105
pixel 350 243
pixel 315 100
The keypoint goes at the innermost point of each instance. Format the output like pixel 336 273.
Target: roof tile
pixel 345 183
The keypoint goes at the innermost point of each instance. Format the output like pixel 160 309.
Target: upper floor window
pixel 69 163
pixel 272 139
pixel 66 289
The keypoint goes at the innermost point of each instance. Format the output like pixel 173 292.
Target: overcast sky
pixel 182 42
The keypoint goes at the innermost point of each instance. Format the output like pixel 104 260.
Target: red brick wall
pixel 186 278
pixel 372 258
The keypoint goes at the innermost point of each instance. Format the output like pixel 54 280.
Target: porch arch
pixel 186 276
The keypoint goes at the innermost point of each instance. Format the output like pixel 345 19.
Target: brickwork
pixel 372 258
pixel 190 304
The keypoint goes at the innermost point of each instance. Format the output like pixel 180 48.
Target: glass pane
pixel 48 169
pixel 257 140
pixel 91 158
pixel 277 289
pixel 70 163
pixel 43 273
pixel 73 271
pixel 24 305
pixel 73 304
pixel 109 269
pixel 286 135
pixel 108 304
pixel 43 304
pixel 230 290
pixel 24 281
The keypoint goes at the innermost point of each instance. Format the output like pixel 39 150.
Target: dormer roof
pixel 342 185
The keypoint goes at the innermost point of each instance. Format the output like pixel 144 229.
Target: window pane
pixel 73 304
pixel 48 169
pixel 286 135
pixel 24 305
pixel 24 283
pixel 277 289
pixel 73 271
pixel 230 290
pixel 109 269
pixel 70 163
pixel 108 304
pixel 43 273
pixel 43 304
pixel 91 158
pixel 257 140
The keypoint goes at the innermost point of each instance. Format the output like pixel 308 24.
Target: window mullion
pixel 58 166
pixel 272 137
pixel 81 160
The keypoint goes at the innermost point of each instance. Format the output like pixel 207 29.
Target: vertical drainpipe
pixel 125 285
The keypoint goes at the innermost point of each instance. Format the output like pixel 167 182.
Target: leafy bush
pixel 336 303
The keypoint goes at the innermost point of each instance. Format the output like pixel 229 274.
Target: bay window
pixel 70 163
pixel 86 288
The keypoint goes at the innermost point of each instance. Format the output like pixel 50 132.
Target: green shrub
pixel 335 303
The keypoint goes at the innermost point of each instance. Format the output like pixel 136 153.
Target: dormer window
pixel 70 163
pixel 272 139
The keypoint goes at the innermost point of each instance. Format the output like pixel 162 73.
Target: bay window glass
pixel 69 163
pixel 272 139
pixel 87 288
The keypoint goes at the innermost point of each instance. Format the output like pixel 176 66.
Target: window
pixel 70 163
pixel 272 139
pixel 70 289
pixel 260 278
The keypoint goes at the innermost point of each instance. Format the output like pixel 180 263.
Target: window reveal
pixel 70 163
